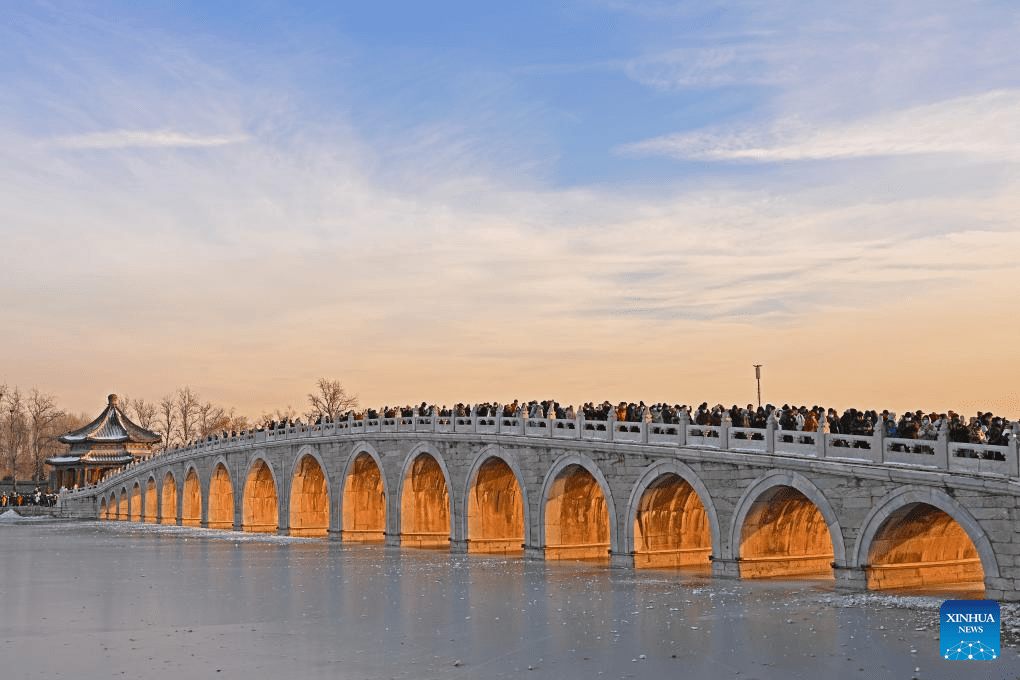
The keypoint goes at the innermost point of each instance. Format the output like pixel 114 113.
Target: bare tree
pixel 167 414
pixel 331 400
pixel 15 431
pixel 188 413
pixel 213 419
pixel 145 412
pixel 42 415
pixel 238 423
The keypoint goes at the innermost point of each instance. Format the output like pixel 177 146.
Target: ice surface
pixel 119 599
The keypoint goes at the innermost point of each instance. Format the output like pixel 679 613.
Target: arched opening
pixel 919 546
pixel 364 502
pixel 221 500
pixel 191 501
pixel 150 502
pixel 576 517
pixel 168 515
pixel 671 526
pixel 259 506
pixel 309 499
pixel 784 535
pixel 104 513
pixel 425 506
pixel 495 510
pixel 112 509
pixel 136 503
pixel 122 508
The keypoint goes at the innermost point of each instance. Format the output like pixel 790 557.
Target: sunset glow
pixel 476 202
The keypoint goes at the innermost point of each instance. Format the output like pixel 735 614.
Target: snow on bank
pixel 11 517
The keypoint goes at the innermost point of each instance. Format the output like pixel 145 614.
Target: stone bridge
pixel 867 512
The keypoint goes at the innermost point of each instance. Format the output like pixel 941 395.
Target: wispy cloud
pixel 986 124
pixel 125 139
pixel 704 67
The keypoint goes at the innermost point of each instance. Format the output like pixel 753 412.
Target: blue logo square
pixel 969 630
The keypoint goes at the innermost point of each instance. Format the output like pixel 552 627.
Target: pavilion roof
pixel 111 427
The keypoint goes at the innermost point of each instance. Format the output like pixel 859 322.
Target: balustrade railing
pixel 940 454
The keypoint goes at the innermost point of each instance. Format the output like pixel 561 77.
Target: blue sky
pixel 636 196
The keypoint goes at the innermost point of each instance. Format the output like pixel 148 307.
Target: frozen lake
pixel 106 600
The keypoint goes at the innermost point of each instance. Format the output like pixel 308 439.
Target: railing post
pixel 724 431
pixel 643 426
pixel 942 449
pixel 579 425
pixel 820 435
pixel 770 435
pixel 1013 453
pixel 611 425
pixel 685 420
pixel 878 441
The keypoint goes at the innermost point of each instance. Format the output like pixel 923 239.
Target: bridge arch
pixel 364 497
pixel 425 504
pixel 795 500
pixel 662 487
pixel 220 503
pixel 504 501
pixel 123 510
pixel 191 498
pixel 917 505
pixel 135 502
pixel 310 494
pixel 260 508
pixel 150 505
pixel 168 497
pixel 112 508
pixel 104 513
pixel 589 485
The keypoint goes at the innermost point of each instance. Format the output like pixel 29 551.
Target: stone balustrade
pixel 939 454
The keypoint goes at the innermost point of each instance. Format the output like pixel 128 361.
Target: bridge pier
pixel 534 552
pixel 850 579
pixel 725 568
pixel 621 560
pixel 458 546
pixel 392 540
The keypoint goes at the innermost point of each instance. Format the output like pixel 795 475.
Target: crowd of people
pixel 13 499
pixel 983 429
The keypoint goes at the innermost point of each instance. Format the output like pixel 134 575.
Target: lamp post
pixel 757 376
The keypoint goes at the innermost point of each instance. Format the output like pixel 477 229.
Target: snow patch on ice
pixel 197 532
pixel 882 600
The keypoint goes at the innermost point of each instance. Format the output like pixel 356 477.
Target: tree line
pixel 31 421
